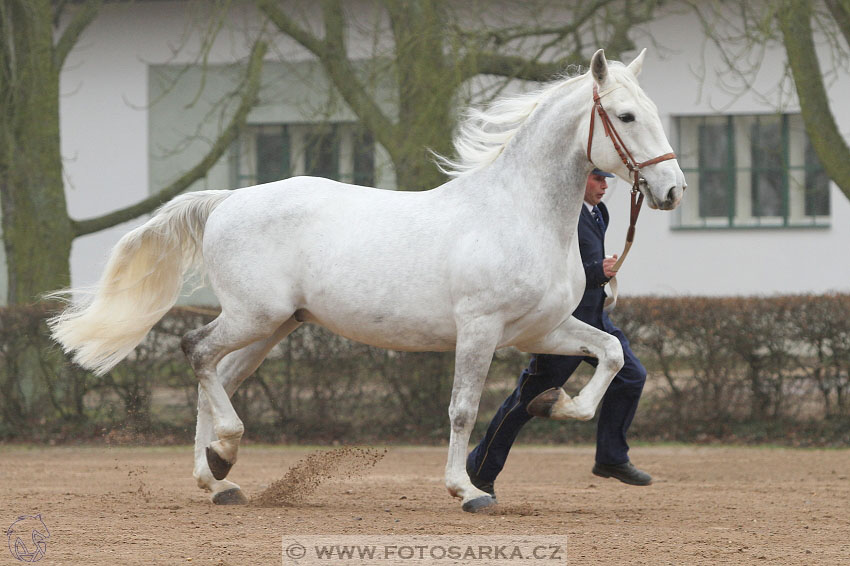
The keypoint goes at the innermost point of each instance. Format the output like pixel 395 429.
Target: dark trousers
pixel 545 372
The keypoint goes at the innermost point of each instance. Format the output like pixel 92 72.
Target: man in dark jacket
pixel 546 371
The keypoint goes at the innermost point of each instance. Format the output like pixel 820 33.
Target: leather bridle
pixel 628 160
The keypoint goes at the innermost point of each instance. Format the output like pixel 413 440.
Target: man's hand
pixel 608 264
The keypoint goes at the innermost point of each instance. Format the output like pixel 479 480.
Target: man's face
pixel 595 189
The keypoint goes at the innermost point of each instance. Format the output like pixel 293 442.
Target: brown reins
pixel 628 160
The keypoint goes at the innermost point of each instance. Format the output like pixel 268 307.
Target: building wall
pixel 116 150
pixel 730 261
pixel 104 114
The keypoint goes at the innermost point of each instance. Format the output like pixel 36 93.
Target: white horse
pixel 488 260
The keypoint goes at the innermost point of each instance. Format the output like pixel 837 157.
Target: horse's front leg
pixel 576 338
pixel 476 342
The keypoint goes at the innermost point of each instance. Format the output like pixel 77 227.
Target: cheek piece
pixel 628 160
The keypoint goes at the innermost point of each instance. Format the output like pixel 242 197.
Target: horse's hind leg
pixel 205 348
pixel 232 370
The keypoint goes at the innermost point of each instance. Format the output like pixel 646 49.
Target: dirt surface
pixel 708 505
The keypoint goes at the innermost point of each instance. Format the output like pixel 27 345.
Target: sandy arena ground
pixel 708 505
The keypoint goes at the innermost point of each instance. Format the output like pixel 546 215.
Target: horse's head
pixel 633 142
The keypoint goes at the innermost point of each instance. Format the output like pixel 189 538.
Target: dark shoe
pixel 485 486
pixel 626 473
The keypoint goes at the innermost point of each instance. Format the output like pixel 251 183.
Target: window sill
pixel 819 226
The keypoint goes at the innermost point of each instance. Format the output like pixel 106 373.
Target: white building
pixel 759 216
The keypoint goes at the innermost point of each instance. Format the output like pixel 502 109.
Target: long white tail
pixel 142 280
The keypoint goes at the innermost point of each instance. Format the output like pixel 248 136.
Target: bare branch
pixel 332 55
pixel 622 21
pixel 58 10
pixel 517 67
pixel 334 27
pixel 208 39
pixel 611 23
pixel 741 41
pixel 78 24
pixel 506 35
pixel 398 15
pixel 249 99
pixel 840 10
pixel 288 26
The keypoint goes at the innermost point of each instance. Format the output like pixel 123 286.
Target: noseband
pixel 628 160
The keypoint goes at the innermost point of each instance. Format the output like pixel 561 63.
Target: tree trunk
pixel 427 129
pixel 427 81
pixel 37 232
pixel 428 118
pixel 795 22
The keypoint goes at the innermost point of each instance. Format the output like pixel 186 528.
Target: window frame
pixel 742 205
pixel 245 171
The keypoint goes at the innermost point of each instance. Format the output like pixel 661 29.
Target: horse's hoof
pixel 218 465
pixel 233 496
pixel 479 503
pixel 542 405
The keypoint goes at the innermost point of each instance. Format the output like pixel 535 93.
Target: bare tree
pixel 742 31
pixel 433 55
pixel 37 229
pixel 436 50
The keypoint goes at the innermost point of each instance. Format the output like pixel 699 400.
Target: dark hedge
pixel 720 369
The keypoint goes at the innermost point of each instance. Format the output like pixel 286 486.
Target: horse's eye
pixel 627 117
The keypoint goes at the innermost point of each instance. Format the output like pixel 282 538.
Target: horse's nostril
pixel 671 194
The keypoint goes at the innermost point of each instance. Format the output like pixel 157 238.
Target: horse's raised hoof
pixel 542 405
pixel 218 465
pixel 233 496
pixel 479 503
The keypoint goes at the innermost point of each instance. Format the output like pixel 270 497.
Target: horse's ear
pixel 636 65
pixel 599 67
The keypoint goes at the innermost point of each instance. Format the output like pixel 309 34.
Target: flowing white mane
pixel 483 134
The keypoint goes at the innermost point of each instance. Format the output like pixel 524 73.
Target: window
pixel 321 153
pixel 343 152
pixel 750 171
pixel 364 158
pixel 272 149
